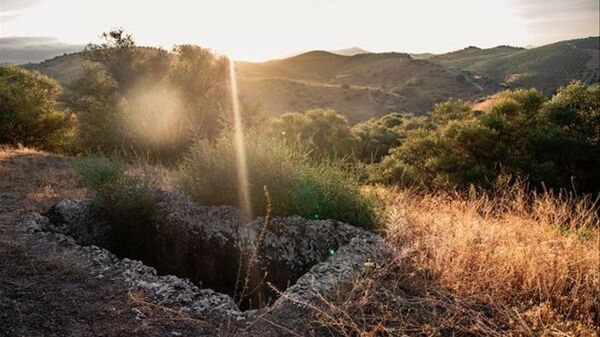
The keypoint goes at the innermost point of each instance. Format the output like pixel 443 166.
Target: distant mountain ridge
pixel 21 50
pixel 350 51
pixel 546 67
pixel 366 85
pixel 359 86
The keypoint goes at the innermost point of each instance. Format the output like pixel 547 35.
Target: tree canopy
pixel 29 112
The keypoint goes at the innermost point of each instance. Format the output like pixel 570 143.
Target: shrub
pixel 322 132
pixel 296 185
pixel 123 200
pixel 30 114
pixel 377 136
pixel 552 143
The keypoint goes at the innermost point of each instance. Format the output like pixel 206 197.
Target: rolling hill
pixel 546 68
pixel 465 58
pixel 20 50
pixel 359 86
pixel 64 68
pixel 366 85
pixel 350 51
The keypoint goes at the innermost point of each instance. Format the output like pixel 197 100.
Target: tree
pixel 202 79
pixel 95 97
pixel 552 143
pixel 450 110
pixel 569 136
pixel 377 136
pixel 147 99
pixel 29 112
pixel 322 132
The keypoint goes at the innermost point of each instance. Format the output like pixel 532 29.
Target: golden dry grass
pixel 508 264
pixel 159 175
pixel 32 180
pixel 511 263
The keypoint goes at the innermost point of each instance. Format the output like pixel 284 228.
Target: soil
pixel 49 293
pixel 51 286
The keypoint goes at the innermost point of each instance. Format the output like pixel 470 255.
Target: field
pixel 507 263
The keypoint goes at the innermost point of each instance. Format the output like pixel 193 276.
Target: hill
pixel 350 51
pixel 367 85
pixel 359 86
pixel 64 68
pixel 468 56
pixel 20 50
pixel 546 68
pixel 421 56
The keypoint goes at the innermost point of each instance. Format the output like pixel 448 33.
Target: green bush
pixel 377 136
pixel 29 112
pixel 296 185
pixel 323 133
pixel 551 142
pixel 123 200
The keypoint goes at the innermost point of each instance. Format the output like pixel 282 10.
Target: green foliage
pixel 96 99
pixel 377 136
pixel 323 133
pixel 202 79
pixel 123 200
pixel 148 100
pixel 29 112
pixel 551 142
pixel 567 137
pixel 451 110
pixel 296 185
pixel 326 191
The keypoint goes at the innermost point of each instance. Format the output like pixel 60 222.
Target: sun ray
pixel 238 134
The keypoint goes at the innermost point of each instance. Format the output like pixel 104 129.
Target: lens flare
pixel 154 114
pixel 238 135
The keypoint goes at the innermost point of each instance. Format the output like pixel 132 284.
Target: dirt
pixel 49 293
pixel 52 286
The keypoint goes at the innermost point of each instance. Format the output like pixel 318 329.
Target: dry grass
pixel 32 180
pixel 159 175
pixel 511 263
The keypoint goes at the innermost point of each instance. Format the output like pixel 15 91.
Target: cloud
pixel 540 8
pixel 20 42
pixel 17 5
pixel 551 20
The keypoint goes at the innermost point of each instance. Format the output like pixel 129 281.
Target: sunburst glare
pixel 242 169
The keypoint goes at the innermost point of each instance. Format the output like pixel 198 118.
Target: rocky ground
pixel 49 292
pixel 53 282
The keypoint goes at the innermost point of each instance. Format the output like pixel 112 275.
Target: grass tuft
pixel 297 186
pixel 124 200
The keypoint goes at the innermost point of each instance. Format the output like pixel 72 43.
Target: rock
pixel 75 218
pixel 205 247
pixel 136 314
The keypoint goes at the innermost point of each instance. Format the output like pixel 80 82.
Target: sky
pixel 258 30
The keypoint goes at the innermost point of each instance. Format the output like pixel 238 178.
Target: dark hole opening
pixel 218 263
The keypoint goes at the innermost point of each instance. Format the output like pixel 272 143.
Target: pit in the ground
pixel 210 246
